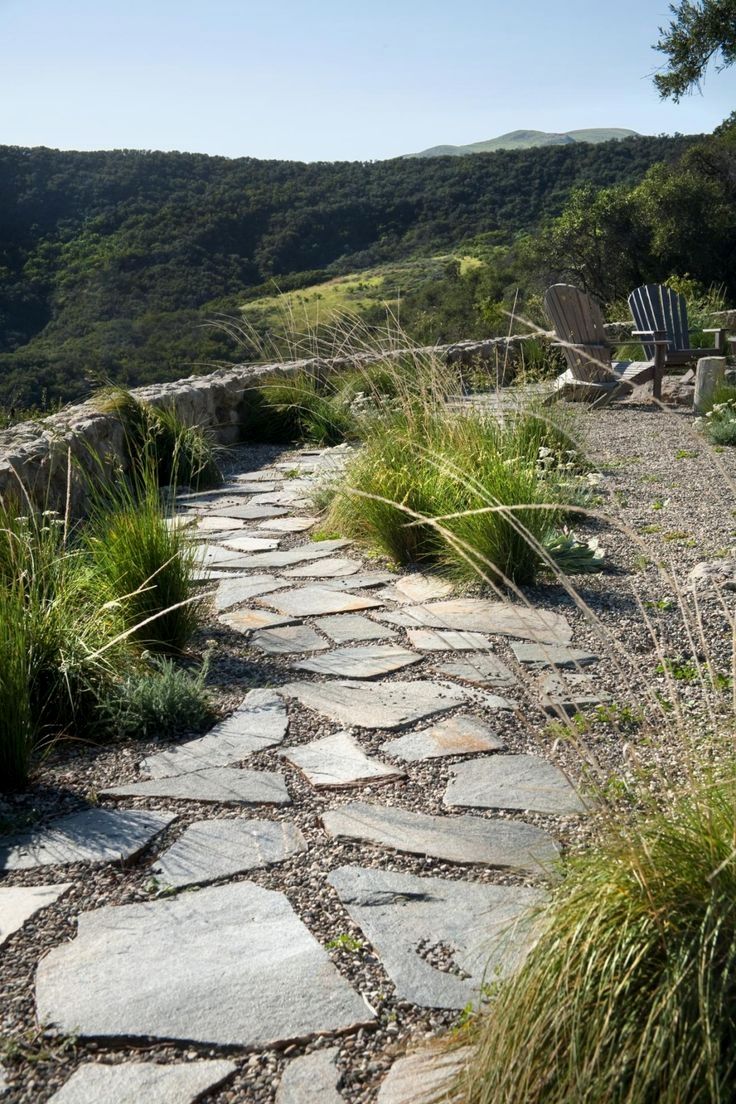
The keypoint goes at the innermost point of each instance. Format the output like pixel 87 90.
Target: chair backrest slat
pixel 658 307
pixel 577 319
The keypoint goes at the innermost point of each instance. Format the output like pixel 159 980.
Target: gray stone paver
pixel 229 965
pixel 457 839
pixel 248 512
pixel 231 592
pixel 212 849
pixel 303 553
pixel 311 1079
pixel 339 762
pixel 218 785
pixel 250 544
pixel 142 1082
pixel 362 662
pixel 512 782
pixel 363 581
pixel 448 640
pixel 93 835
pixel 483 615
pixel 424 1077
pixel 332 567
pixel 376 705
pixel 480 670
pixel 479 926
pixel 460 735
pixel 20 903
pixel 247 620
pixel 311 601
pixel 538 656
pixel 569 692
pixel 288 640
pixel 289 524
pixel 259 722
pixel 343 627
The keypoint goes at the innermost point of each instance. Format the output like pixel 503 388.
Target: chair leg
pixel 659 364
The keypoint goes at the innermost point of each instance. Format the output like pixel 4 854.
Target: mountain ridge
pixel 528 139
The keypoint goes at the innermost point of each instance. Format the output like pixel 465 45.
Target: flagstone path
pixel 434 892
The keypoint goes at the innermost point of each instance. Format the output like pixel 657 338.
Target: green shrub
pixel 629 993
pixel 297 408
pixel 719 422
pixel 143 567
pixel 161 700
pixel 180 454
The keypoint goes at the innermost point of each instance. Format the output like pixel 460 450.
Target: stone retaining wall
pixel 48 458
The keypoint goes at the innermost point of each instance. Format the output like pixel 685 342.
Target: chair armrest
pixel 578 345
pixel 650 336
pixel 716 329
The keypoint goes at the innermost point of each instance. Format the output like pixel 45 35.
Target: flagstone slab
pixel 289 524
pixel 339 762
pixel 215 555
pixel 481 670
pixel 248 620
pixel 249 544
pixel 476 929
pixel 142 1082
pixel 288 640
pixel 303 553
pixel 286 496
pixel 93 836
pixel 483 615
pixel 260 721
pixel 248 512
pixel 457 839
pixel 332 567
pixel 362 662
pixel 263 475
pixel 311 601
pixel 232 592
pixel 230 965
pixel 215 574
pixel 459 735
pixel 525 782
pixel 422 588
pixel 212 849
pixel 425 1077
pixel 538 656
pixel 311 1079
pixel 209 524
pixel 20 903
pixel 448 640
pixel 214 785
pixel 359 582
pixel 569 692
pixel 353 626
pixel 378 704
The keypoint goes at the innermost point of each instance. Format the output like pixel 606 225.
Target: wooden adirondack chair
pixel 592 374
pixel 660 310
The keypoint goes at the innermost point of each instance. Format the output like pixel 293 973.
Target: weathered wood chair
pixel 659 310
pixel 592 374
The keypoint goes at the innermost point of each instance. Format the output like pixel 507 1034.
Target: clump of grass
pixel 180 454
pixel 17 727
pixel 297 408
pixel 628 995
pixel 161 700
pixel 142 566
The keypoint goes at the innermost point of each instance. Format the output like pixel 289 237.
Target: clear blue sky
pixel 331 79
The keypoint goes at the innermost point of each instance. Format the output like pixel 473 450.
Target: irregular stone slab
pixel 292 496
pixel 481 670
pixel 460 735
pixel 339 762
pixel 714 574
pixel 512 782
pixel 329 568
pixel 353 626
pixel 247 620
pixel 422 588
pixel 448 640
pixel 425 1077
pixel 248 512
pixel 311 1079
pixel 142 1082
pixel 229 965
pixel 311 601
pixel 359 582
pixel 209 524
pixel 289 524
pixel 259 722
pixel 261 476
pixel 212 849
pixel 93 836
pixel 411 921
pixel 214 555
pixel 20 903
pixel 288 640
pixel 569 693
pixel 365 662
pixel 231 592
pixel 258 487
pixel 459 839
pixel 315 550
pixel 221 785
pixel 250 544
pixel 214 574
pixel 378 705
pixel 482 615
pixel 538 656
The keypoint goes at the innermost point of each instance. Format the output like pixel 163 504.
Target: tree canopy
pixel 699 33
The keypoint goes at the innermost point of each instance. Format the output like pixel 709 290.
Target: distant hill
pixel 527 139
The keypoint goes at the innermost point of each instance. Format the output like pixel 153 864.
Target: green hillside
pixel 530 139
